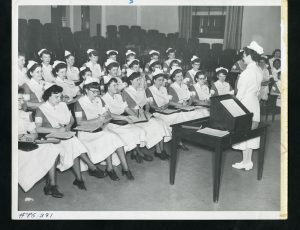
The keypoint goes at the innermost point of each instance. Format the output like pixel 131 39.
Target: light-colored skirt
pixel 100 145
pixel 34 165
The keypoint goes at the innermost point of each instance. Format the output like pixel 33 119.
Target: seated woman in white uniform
pixel 91 110
pixel 153 65
pixel 112 68
pixel 154 55
pixel 93 65
pixel 112 55
pixel 33 165
pixel 72 71
pixel 54 116
pixel 45 56
pixel 133 135
pixel 221 87
pixel 22 71
pixel 190 74
pixel 264 90
pixel 248 90
pixel 156 129
pixel 134 66
pixel 130 55
pixel 201 89
pixel 70 90
pixel 34 88
pixel 171 53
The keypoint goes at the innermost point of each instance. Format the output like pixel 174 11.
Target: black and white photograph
pixel 136 109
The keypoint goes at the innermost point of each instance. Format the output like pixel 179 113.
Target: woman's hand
pixel 29 137
pixel 61 129
pixel 128 120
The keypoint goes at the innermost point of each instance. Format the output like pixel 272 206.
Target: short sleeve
pixel 39 116
pixel 78 111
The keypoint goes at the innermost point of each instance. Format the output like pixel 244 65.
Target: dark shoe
pixel 128 174
pixel 147 157
pixel 137 158
pixel 112 175
pixel 183 147
pixel 97 173
pixel 80 184
pixel 160 156
pixel 53 191
pixel 166 155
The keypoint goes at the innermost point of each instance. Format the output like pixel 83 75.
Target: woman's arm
pixel 41 129
pixel 33 105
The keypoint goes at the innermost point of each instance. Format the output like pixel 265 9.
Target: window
pixel 208 21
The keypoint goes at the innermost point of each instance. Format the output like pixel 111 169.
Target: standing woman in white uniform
pixel 22 76
pixel 156 129
pixel 72 71
pixel 91 110
pixel 33 165
pixel 54 116
pixel 248 90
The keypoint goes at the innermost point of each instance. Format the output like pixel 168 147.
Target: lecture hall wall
pixel 259 23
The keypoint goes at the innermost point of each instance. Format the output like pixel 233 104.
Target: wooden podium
pixel 228 113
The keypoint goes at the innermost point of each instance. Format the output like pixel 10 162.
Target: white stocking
pixel 245 154
pixel 249 156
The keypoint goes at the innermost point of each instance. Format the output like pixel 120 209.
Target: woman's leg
pixel 121 154
pixel 76 169
pixel 109 163
pixel 52 176
pixel 110 170
pixel 159 147
pixel 84 157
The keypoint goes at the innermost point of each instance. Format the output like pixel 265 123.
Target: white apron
pixel 202 91
pixel 69 88
pixel 95 68
pixel 47 73
pixel 223 88
pixel 36 88
pixel 101 144
pixel 35 164
pixel 156 129
pixel 69 149
pixel 73 73
pixel 248 87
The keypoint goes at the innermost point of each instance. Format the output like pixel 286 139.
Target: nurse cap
pixel 153 62
pixel 157 73
pixel 220 68
pixel 67 53
pixel 30 64
pixel 48 85
pixel 41 51
pixel 89 51
pixel 82 68
pixel 130 52
pixel 90 80
pixel 154 52
pixel 109 61
pixel 194 58
pixel 57 62
pixel 133 60
pixel 174 69
pixel 175 60
pixel 129 72
pixel 170 50
pixel 257 48
pixel 112 52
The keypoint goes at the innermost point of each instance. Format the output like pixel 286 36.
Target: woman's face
pixel 137 82
pixel 92 93
pixel 46 59
pixel 21 61
pixel 262 63
pixel 113 88
pixel 93 58
pixel 276 64
pixel 155 57
pixel 179 77
pixel 130 57
pixel 71 60
pixel 222 77
pixel 62 73
pixel 55 98
pixel 277 54
pixel 171 55
pixel 246 58
pixel 113 57
pixel 196 66
pixel 37 74
pixel 201 79
pixel 174 64
pixel 20 101
pixel 87 75
pixel 136 68
pixel 113 72
pixel 157 66
pixel 159 81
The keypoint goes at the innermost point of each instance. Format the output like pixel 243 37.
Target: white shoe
pixel 239 165
pixel 248 166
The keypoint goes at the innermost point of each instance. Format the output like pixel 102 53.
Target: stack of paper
pixel 233 107
pixel 213 132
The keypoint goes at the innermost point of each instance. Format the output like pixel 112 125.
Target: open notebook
pixel 88 127
pixel 143 117
pixel 213 132
pixel 232 107
pixel 168 111
pixel 61 135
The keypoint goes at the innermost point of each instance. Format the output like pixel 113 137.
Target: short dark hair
pixel 69 55
pixel 254 55
pixel 135 62
pixel 92 85
pixel 94 52
pixel 112 53
pixel 21 90
pixel 200 72
pixel 223 71
pixel 277 60
pixel 54 89
pixel 112 65
pixel 174 74
pixel 82 73
pixel 58 67
pixel 153 64
pixel 32 69
pixel 198 60
pixel 133 76
pixel 109 83
pixel 273 54
pixel 45 52
pixel 174 61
